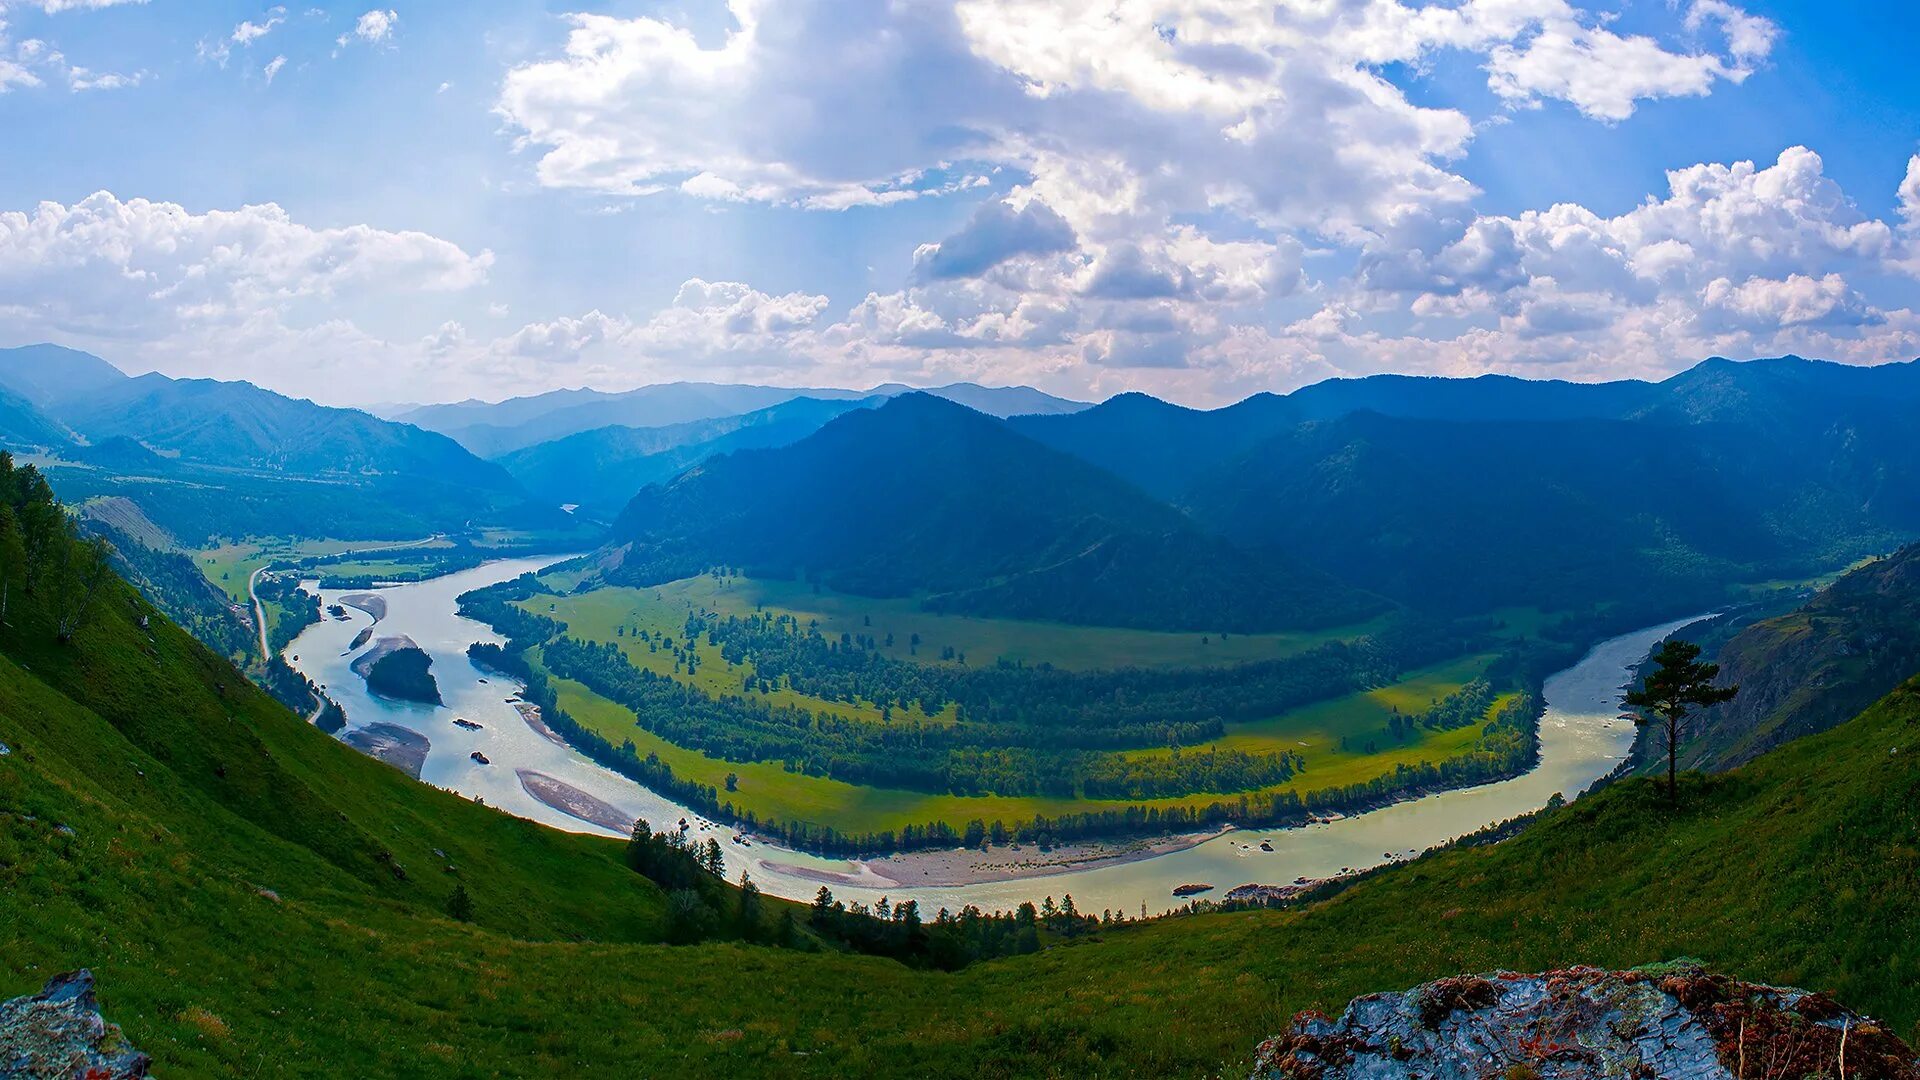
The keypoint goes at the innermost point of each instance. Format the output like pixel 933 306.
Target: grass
pixel 983 640
pixel 1800 868
pixel 772 792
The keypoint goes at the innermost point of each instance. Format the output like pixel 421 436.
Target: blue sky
pixel 1196 198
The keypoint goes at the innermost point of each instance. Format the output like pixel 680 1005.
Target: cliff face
pixel 1668 1020
pixel 59 1032
pixel 1813 668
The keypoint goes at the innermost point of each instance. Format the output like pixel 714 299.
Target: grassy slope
pixel 157 884
pixel 1800 867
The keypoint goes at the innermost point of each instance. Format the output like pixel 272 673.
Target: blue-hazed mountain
pixel 1478 493
pixel 24 427
pixel 1167 449
pixel 601 469
pixel 923 497
pixel 45 374
pixel 239 424
pixel 492 429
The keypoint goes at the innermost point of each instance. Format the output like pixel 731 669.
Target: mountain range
pixel 924 497
pixel 602 468
pixel 492 429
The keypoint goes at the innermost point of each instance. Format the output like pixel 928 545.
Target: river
pixel 1582 739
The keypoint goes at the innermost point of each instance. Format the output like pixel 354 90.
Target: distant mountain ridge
pixel 45 374
pixel 924 497
pixel 603 468
pixel 1453 494
pixel 495 429
pixel 237 423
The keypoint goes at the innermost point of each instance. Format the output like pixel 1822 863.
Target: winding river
pixel 1581 740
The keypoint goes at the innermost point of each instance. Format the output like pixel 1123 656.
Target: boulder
pixel 1673 1020
pixel 59 1032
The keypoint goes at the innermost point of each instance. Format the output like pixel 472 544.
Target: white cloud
pixel 226 291
pixel 55 7
pixel 23 63
pixel 375 27
pixel 273 67
pixel 249 32
pixel 79 78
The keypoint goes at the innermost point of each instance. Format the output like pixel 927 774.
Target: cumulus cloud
pixel 997 232
pixel 374 28
pixel 171 282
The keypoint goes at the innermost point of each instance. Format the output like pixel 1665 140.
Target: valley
pixel 937 662
pixel 1581 740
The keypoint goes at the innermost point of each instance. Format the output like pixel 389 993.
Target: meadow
pixel 773 792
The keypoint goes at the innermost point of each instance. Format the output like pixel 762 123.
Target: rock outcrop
pixel 1668 1020
pixel 398 668
pixel 59 1032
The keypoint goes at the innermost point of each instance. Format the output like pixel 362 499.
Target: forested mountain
pixel 1812 668
pixel 1473 494
pixel 239 424
pixel 925 497
pixel 1790 394
pixel 45 374
pixel 1001 401
pixel 23 425
pixel 495 429
pixel 207 459
pixel 603 468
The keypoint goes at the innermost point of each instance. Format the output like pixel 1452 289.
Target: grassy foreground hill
pixel 258 900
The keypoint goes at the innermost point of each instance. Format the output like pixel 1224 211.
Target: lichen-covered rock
pixel 59 1034
pixel 1674 1021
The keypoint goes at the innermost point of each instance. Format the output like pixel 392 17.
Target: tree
pixel 460 905
pixel 749 913
pixel 1680 683
pixel 83 566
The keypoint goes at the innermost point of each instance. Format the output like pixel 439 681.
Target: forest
pixel 1014 729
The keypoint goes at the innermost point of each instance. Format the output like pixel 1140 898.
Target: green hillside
pixel 1811 668
pixel 923 497
pixel 260 901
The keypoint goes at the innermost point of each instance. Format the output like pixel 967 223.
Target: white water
pixel 1581 740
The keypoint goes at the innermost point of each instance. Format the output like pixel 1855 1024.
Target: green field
pixel 983 641
pixel 773 793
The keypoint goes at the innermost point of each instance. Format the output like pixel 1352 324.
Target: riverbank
pixel 1581 739
pixel 1012 862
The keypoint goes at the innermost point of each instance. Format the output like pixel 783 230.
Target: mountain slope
pixel 1812 668
pixel 924 497
pixel 1158 446
pixel 603 468
pixel 239 424
pixel 492 430
pixel 22 424
pixel 1000 401
pixel 1478 516
pixel 45 374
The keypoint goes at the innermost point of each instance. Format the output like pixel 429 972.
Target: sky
pixel 1199 199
